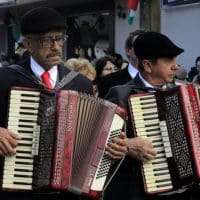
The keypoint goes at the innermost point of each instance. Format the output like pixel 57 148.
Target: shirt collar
pixel 132 70
pixel 145 82
pixel 38 71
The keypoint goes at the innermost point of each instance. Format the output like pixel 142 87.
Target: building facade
pixel 103 21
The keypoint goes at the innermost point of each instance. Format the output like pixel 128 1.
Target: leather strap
pixel 25 73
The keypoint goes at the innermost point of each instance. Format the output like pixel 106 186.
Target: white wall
pixel 182 25
pixel 122 28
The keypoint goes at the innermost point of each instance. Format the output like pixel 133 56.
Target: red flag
pixel 132 7
pixel 133 4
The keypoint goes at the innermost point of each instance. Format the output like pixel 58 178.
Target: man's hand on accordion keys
pixel 140 148
pixel 8 142
pixel 117 148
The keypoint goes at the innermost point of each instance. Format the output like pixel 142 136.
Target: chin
pixel 54 63
pixel 54 60
pixel 170 79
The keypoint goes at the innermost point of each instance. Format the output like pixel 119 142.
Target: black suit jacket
pixel 128 182
pixel 10 78
pixel 118 78
pixel 119 94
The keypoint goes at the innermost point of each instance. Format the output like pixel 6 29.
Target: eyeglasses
pixel 48 41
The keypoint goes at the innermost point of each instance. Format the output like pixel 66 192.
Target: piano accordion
pixel 63 139
pixel 170 120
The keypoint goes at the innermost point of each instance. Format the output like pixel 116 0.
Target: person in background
pixel 117 59
pixel 104 66
pixel 101 48
pixel 180 76
pixel 126 74
pixel 84 67
pixel 124 64
pixel 196 78
pixel 194 70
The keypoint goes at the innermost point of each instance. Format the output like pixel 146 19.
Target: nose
pixel 55 44
pixel 176 67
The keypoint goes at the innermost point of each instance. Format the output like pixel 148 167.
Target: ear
pixel 27 44
pixel 129 51
pixel 147 66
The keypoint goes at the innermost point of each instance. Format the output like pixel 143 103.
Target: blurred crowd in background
pixel 109 62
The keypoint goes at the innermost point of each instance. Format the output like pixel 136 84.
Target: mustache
pixel 54 54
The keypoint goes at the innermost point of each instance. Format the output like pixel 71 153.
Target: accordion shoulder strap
pixel 25 73
pixel 66 80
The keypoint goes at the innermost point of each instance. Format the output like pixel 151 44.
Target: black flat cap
pixel 42 20
pixel 153 45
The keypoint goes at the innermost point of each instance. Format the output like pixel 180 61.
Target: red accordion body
pixel 64 136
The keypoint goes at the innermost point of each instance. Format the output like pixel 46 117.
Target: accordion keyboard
pixel 146 122
pixel 106 161
pixel 22 120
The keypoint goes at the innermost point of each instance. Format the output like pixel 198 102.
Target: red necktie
pixel 46 79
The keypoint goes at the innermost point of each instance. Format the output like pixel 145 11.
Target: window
pixel 179 2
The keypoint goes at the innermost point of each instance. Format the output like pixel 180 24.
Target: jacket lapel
pixel 26 64
pixel 137 84
pixel 62 71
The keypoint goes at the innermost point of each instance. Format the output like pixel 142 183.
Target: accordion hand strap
pixel 113 174
pixel 110 178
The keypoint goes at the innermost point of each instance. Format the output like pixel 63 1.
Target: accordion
pixel 63 139
pixel 170 120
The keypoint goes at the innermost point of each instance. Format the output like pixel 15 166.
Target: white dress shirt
pixel 165 86
pixel 132 70
pixel 38 71
pixel 145 82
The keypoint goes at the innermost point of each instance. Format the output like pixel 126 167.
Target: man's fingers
pixel 118 141
pixel 148 157
pixel 12 141
pixel 8 149
pixel 151 152
pixel 119 147
pixel 116 150
pixel 8 142
pixel 3 149
pixel 113 156
pixel 122 135
pixel 15 136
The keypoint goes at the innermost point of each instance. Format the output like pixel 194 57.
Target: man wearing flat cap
pixel 156 55
pixel 43 31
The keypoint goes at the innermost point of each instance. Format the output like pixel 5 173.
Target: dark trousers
pixel 39 196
